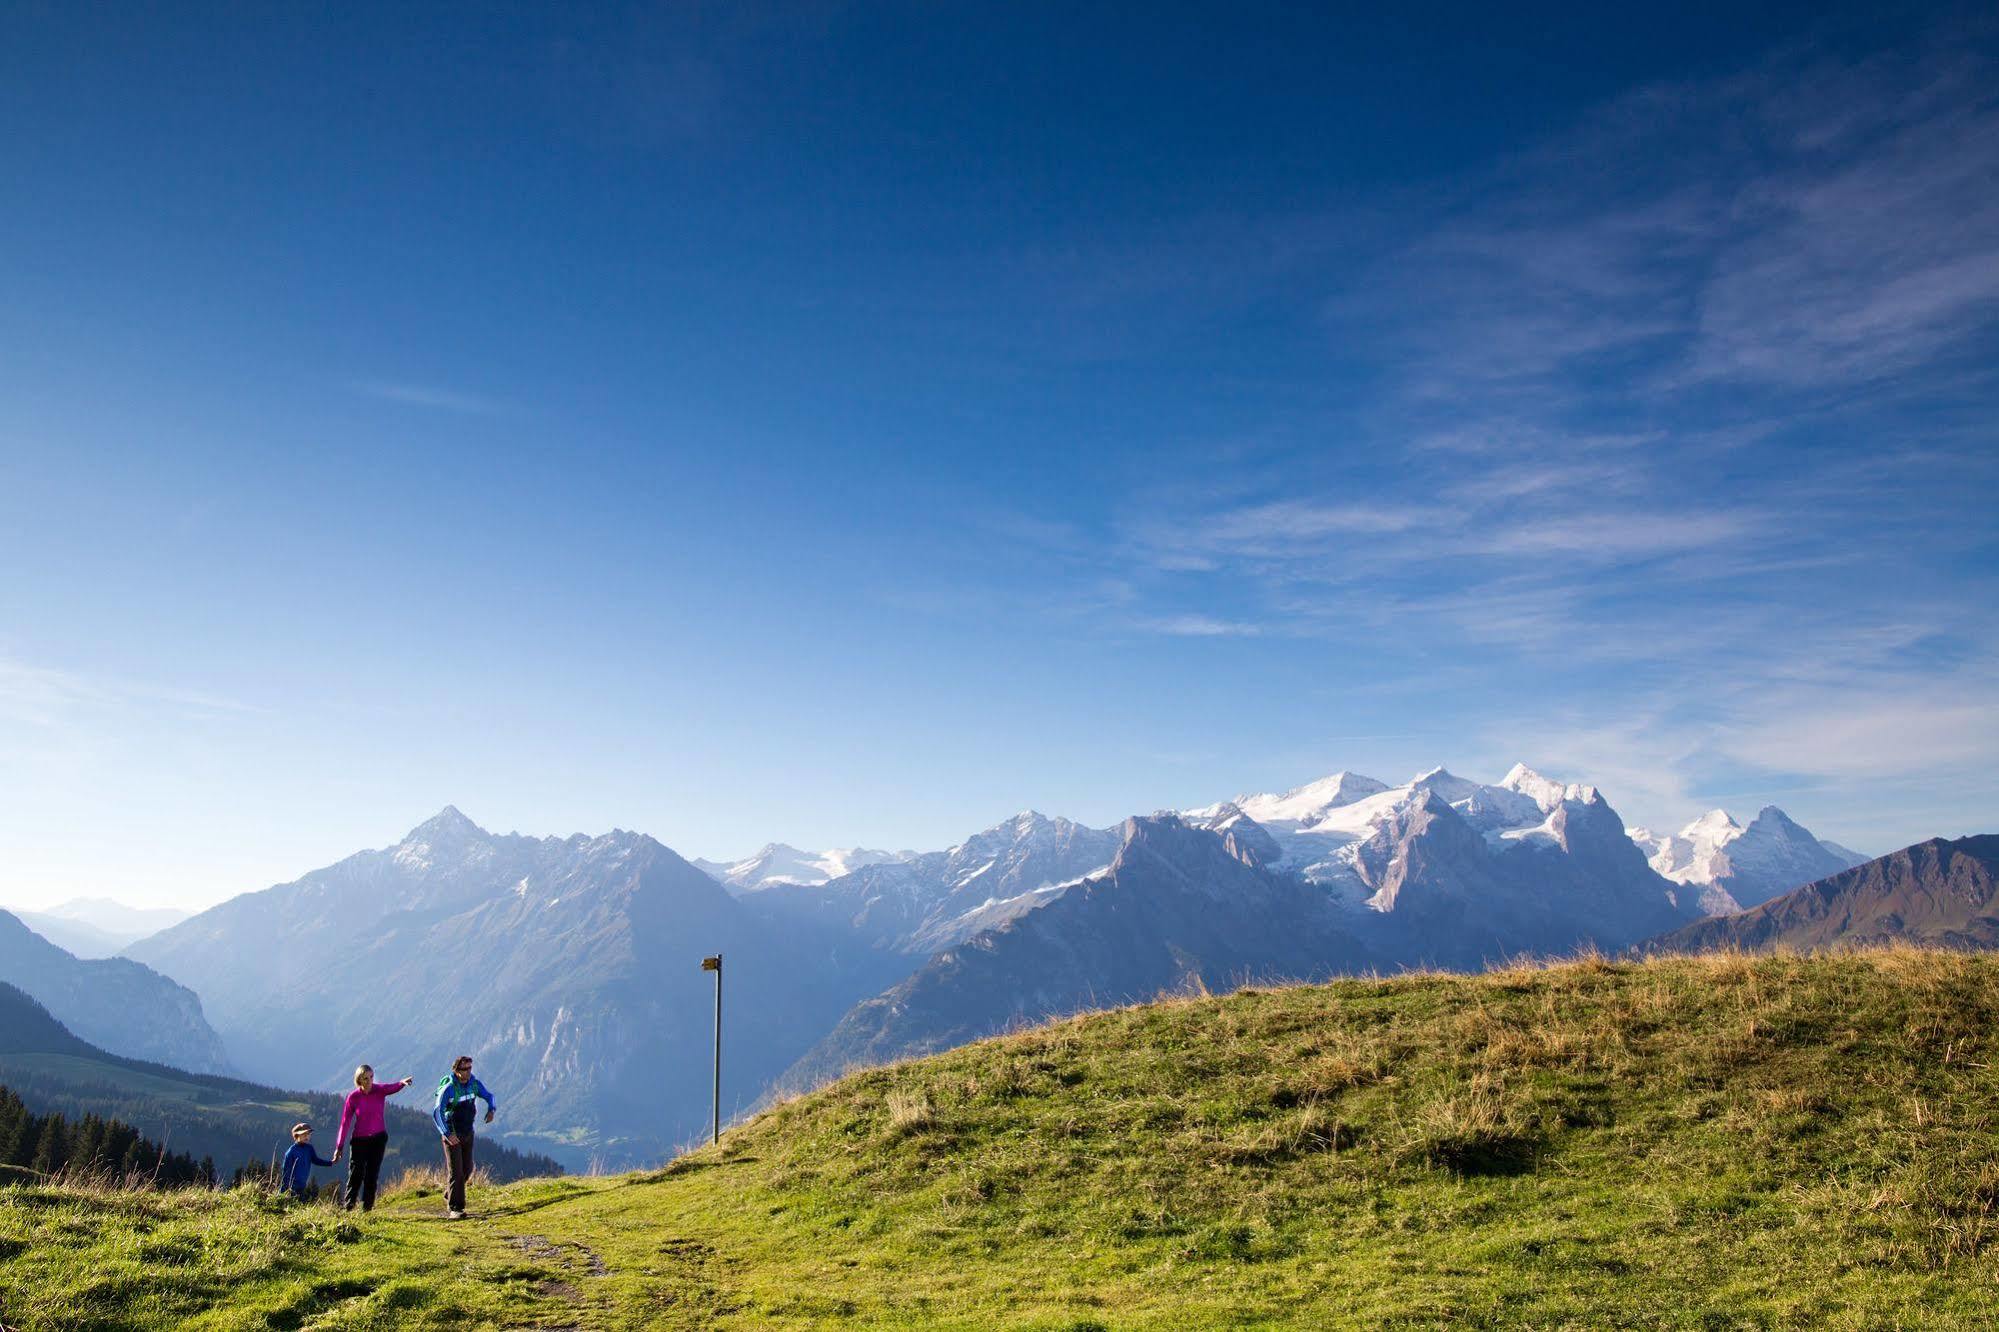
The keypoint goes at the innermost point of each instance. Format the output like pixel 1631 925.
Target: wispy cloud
pixel 1199 626
pixel 427 395
pixel 1683 417
pixel 46 697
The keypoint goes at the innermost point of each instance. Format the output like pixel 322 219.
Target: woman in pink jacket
pixel 361 1116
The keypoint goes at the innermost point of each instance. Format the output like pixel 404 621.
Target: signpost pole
pixel 714 964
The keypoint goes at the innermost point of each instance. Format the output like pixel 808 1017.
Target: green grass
pixel 1698 1143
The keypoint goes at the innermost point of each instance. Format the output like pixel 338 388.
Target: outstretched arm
pixel 316 1161
pixel 391 1088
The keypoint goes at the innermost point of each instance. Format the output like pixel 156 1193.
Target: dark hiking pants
pixel 364 1170
pixel 458 1164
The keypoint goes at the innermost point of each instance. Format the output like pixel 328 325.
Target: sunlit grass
pixel 1731 1141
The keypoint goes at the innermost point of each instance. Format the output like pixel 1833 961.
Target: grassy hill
pixel 1704 1142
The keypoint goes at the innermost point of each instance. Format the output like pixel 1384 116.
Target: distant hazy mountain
pixel 1743 866
pixel 921 903
pixel 116 918
pixel 1936 892
pixel 95 927
pixel 568 967
pixel 778 863
pixel 73 936
pixel 116 1003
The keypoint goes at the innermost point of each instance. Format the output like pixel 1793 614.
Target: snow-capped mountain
pixel 1468 872
pixel 1743 866
pixel 1330 831
pixel 778 863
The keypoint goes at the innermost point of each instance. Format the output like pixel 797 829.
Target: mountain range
pixel 777 863
pixel 569 966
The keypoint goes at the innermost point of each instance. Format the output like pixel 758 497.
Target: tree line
pixel 51 1145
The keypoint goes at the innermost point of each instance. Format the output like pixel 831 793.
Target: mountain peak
pixel 1714 821
pixel 448 819
pixel 1022 824
pixel 447 833
pixel 1444 783
pixel 1543 791
pixel 1308 803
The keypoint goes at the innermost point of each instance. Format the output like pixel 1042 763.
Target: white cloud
pixel 1200 626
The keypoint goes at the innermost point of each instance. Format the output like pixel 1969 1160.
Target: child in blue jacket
pixel 299 1161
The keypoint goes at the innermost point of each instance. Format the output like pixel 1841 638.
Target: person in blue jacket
pixel 458 1098
pixel 299 1161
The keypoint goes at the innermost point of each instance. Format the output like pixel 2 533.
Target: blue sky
pixel 854 424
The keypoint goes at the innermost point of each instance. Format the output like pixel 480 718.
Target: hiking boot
pixel 454 1215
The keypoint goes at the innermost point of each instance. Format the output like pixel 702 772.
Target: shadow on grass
pixel 1474 1154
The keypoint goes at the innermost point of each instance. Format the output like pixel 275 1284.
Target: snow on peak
pixel 1542 791
pixel 447 821
pixel 1319 828
pixel 1545 792
pixel 777 862
pixel 1308 803
pixel 1450 787
pixel 447 834
pixel 1773 854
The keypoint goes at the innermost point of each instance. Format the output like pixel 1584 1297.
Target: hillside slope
pixel 1725 1141
pixel 113 1002
pixel 1939 893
